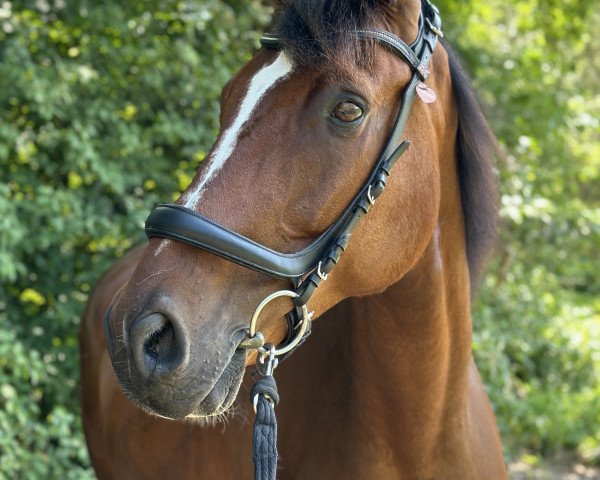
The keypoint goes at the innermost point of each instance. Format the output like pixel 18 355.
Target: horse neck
pixel 417 333
pixel 410 348
pixel 391 368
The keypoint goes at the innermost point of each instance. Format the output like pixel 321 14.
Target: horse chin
pixel 203 408
pixel 217 404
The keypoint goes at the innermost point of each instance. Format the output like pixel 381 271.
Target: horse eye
pixel 347 112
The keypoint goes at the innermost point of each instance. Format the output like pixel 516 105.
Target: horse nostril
pixel 157 346
pixel 160 341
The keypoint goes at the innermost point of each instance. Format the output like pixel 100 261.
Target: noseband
pixel 309 267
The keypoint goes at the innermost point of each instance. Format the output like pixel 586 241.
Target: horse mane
pixel 317 32
pixel 476 147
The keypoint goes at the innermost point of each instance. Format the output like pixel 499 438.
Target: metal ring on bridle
pixel 306 316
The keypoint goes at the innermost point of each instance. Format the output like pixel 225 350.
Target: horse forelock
pixel 317 32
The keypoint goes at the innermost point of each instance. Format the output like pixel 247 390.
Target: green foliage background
pixel 105 109
pixel 537 323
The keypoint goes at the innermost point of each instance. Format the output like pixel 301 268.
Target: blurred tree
pixel 105 107
pixel 537 330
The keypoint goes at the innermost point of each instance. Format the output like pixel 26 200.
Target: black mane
pixel 476 147
pixel 315 32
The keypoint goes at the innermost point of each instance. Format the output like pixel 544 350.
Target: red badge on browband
pixel 426 94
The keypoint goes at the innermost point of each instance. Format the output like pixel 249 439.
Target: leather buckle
pixel 434 29
pixel 370 197
pixel 322 276
pixel 423 71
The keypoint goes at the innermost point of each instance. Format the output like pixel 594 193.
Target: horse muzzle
pixel 152 357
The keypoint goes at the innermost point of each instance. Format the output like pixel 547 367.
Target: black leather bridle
pixel 310 266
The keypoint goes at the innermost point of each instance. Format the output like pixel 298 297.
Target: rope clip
pixel 267 362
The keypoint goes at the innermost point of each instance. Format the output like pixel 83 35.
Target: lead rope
pixel 265 397
pixel 264 393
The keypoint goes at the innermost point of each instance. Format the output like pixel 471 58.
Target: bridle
pixel 309 267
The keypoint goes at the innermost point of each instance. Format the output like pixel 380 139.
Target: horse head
pixel 302 127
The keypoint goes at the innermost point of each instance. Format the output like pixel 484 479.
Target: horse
pixel 386 386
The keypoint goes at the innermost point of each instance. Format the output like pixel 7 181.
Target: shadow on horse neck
pixel 386 386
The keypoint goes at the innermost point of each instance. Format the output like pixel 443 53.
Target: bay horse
pixel 386 386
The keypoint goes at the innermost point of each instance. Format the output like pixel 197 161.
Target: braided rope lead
pixel 264 436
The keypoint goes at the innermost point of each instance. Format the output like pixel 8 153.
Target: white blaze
pixel 161 246
pixel 262 81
